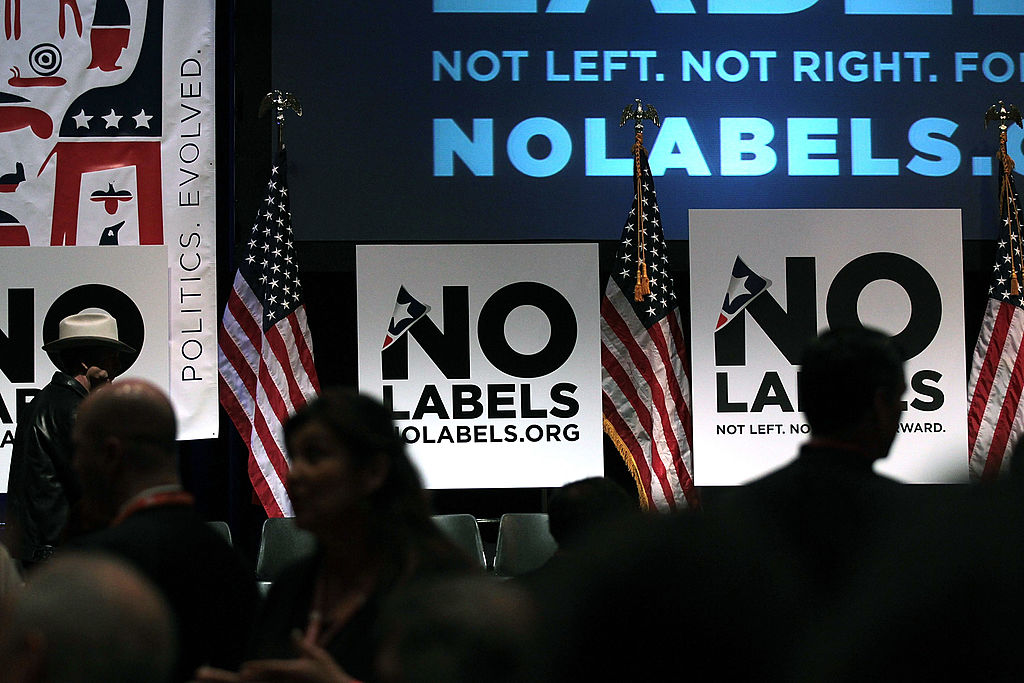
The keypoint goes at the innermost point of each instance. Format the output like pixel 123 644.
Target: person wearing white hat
pixel 43 489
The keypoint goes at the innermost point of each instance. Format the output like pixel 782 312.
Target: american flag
pixel 266 353
pixel 645 373
pixel 995 421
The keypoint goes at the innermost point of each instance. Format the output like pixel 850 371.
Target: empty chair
pixel 464 532
pixel 222 528
pixel 524 543
pixel 281 543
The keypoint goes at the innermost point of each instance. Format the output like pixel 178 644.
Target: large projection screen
pixel 499 119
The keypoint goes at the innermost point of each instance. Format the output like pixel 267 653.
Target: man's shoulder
pixel 819 468
pixel 61 382
pixel 777 477
pixel 49 416
pixel 169 538
pixel 158 532
pixel 60 390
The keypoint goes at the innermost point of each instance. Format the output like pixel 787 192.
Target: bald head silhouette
pixel 86 618
pixel 125 442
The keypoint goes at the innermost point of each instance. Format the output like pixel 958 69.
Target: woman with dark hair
pixel 353 486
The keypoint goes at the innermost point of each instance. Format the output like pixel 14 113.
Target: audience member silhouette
pixel 353 486
pixel 583 507
pixel 726 594
pixel 43 506
pixel 667 597
pixel 86 618
pixel 939 599
pixel 580 513
pixel 459 629
pixel 125 454
pixel 825 508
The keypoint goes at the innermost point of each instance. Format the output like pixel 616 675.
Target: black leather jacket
pixel 42 485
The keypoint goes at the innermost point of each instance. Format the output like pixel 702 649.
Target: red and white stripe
pixel 995 421
pixel 265 378
pixel 646 400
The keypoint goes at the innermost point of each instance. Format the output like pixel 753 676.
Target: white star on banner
pixel 113 119
pixel 142 119
pixel 82 119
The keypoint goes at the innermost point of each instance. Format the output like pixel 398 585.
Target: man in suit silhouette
pixel 126 456
pixel 827 506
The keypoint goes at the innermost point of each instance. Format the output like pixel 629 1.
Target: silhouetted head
pixel 89 343
pixel 86 618
pixel 851 381
pixel 458 629
pixel 586 506
pixel 124 439
pixel 347 457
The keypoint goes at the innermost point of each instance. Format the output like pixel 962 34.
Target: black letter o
pixel 925 300
pixel 491 331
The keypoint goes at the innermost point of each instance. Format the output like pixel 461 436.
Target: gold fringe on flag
pixel 627 458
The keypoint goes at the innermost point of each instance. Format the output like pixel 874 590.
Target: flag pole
pixel 638 112
pixel 995 386
pixel 280 101
pixel 265 349
pixel 1004 115
pixel 644 373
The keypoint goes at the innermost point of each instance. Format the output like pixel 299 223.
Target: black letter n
pixel 17 352
pixel 449 350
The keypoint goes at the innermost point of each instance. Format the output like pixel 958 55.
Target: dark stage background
pixel 215 471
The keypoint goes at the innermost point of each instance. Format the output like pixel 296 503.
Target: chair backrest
pixel 464 531
pixel 524 543
pixel 281 544
pixel 222 528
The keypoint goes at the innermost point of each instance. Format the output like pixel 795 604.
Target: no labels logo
pixel 18 347
pixel 450 350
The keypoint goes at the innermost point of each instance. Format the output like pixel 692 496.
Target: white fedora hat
pixel 92 327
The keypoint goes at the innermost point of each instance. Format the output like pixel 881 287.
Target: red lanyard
pixel 155 500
